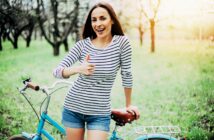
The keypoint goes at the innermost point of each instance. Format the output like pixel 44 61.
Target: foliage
pixel 57 19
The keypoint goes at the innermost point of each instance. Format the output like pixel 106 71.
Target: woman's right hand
pixel 86 68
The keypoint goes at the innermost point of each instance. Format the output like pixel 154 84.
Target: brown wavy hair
pixel 116 27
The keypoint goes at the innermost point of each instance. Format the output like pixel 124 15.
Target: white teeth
pixel 100 30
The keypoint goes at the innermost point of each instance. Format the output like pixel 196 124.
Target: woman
pixel 102 52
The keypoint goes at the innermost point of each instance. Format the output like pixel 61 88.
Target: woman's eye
pixel 102 18
pixel 93 20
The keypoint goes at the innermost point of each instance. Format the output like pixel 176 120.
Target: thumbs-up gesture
pixel 87 58
pixel 87 68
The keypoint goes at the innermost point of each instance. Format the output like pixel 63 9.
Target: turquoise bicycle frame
pixel 114 135
pixel 40 129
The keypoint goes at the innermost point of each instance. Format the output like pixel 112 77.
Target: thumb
pixel 87 58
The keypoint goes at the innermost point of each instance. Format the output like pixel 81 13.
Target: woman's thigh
pixel 75 126
pixel 75 133
pixel 97 135
pixel 98 127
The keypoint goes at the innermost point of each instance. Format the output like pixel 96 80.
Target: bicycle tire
pixel 17 137
pixel 156 137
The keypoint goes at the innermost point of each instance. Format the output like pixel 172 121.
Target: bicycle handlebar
pixel 32 85
pixel 29 84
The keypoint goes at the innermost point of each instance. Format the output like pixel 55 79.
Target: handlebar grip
pixel 32 86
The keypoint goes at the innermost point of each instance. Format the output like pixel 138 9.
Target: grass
pixel 173 86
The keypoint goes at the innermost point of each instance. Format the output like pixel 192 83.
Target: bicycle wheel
pixel 156 137
pixel 17 137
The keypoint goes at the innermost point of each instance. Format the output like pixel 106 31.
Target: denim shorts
pixel 91 122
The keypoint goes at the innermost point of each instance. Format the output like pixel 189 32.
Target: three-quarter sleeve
pixel 126 54
pixel 72 57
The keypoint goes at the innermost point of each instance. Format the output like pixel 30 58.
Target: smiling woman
pixel 102 52
pixel 116 28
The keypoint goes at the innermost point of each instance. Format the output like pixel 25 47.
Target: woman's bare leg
pixel 97 135
pixel 75 133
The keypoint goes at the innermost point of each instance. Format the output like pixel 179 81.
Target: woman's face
pixel 101 22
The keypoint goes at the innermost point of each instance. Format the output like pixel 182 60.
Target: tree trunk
pixel 56 49
pixel 152 25
pixel 5 36
pixel 15 45
pixel 28 39
pixel 0 40
pixel 65 42
pixel 0 44
pixel 140 35
pixel 28 42
pixel 140 29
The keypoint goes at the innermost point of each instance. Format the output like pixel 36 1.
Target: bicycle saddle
pixel 121 117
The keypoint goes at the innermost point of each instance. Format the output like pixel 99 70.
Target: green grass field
pixel 174 86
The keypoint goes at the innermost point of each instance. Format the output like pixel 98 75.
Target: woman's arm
pixel 86 69
pixel 129 107
pixel 126 73
pixel 128 92
pixel 66 68
pixel 67 72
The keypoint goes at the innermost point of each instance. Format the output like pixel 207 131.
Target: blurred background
pixel 173 60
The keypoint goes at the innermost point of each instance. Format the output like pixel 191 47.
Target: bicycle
pixel 120 117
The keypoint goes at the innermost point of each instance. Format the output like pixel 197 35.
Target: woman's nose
pixel 98 23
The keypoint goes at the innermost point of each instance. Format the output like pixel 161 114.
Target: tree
pixel 56 23
pixel 153 5
pixel 131 17
pixel 14 20
pixel 140 25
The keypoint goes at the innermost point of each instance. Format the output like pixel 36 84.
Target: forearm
pixel 128 92
pixel 130 108
pixel 85 68
pixel 69 71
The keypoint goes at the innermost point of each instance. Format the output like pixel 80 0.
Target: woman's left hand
pixel 134 110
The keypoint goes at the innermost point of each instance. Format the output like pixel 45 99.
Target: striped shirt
pixel 90 95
